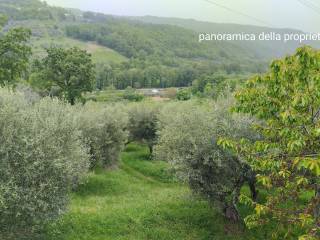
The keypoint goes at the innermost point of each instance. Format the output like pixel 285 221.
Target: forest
pixel 129 128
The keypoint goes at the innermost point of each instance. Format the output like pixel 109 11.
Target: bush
pixel 184 95
pixel 104 130
pixel 188 140
pixel 41 158
pixel 131 95
pixel 142 124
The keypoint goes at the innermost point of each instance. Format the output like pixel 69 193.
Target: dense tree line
pixel 129 74
pixel 145 40
pixel 159 56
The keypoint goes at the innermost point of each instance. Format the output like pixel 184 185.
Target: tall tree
pixel 287 102
pixel 14 55
pixel 71 70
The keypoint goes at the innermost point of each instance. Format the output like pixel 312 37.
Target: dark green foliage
pixel 201 84
pixel 160 56
pixel 104 77
pixel 14 55
pixel 71 71
pixel 216 85
pixel 139 40
pixel 131 95
pixel 258 50
pixel 184 94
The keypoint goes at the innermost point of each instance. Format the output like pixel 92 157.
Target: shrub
pixel 130 94
pixel 142 124
pixel 104 130
pixel 184 95
pixel 41 158
pixel 188 140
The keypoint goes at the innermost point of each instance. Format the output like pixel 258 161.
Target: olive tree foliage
pixel 41 158
pixel 69 72
pixel 142 125
pixel 188 134
pixel 104 131
pixel 14 55
pixel 287 101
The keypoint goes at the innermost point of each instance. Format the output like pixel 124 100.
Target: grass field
pixel 110 95
pixel 141 200
pixel 100 54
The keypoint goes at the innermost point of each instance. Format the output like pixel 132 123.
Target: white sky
pixel 278 13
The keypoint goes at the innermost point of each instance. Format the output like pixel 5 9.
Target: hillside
pixel 144 52
pixel 100 54
pixel 51 32
pixel 261 49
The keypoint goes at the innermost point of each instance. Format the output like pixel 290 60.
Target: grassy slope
pixel 48 32
pixel 140 200
pixel 100 54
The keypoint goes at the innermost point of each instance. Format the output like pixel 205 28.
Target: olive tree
pixel 188 138
pixel 142 125
pixel 104 131
pixel 41 158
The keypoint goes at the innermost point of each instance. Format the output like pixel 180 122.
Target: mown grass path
pixel 138 201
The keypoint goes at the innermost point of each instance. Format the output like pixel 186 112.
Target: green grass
pixel 48 32
pixel 109 95
pixel 100 54
pixel 141 200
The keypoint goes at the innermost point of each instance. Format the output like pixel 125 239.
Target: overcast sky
pixel 277 13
